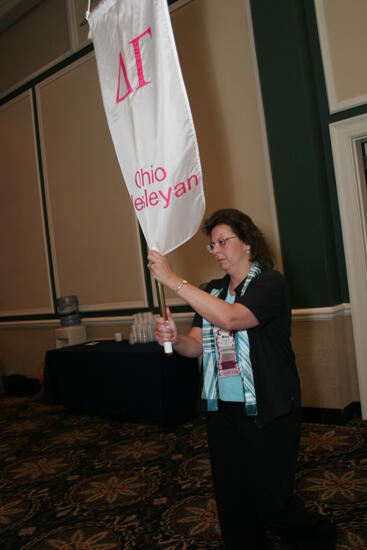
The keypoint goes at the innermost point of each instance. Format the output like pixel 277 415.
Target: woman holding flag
pixel 250 386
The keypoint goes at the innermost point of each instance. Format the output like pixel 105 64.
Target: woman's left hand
pixel 160 269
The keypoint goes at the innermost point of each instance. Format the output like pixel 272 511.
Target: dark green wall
pixel 297 118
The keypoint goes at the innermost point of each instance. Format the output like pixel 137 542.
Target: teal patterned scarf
pixel 210 371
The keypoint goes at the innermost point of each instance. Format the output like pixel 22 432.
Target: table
pixel 134 381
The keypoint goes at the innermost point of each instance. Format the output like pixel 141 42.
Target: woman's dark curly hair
pixel 245 229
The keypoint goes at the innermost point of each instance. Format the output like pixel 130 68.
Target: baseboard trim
pixel 331 416
pixel 321 313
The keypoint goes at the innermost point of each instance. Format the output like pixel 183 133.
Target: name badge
pixel 228 365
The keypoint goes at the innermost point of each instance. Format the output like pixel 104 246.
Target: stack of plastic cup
pixel 142 330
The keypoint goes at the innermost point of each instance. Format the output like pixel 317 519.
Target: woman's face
pixel 228 249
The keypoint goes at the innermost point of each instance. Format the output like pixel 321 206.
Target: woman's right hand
pixel 166 330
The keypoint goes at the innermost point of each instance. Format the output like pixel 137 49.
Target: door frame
pixel 351 188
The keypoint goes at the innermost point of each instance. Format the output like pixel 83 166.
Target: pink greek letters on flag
pixel 149 117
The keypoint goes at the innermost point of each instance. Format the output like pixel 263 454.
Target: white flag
pixel 149 117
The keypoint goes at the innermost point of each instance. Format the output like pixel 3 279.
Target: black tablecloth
pixel 134 381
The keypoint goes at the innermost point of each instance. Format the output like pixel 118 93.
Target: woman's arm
pixel 191 344
pixel 216 311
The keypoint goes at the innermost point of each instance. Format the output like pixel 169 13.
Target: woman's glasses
pixel 221 243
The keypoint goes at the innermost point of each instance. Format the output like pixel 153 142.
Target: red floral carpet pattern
pixel 73 481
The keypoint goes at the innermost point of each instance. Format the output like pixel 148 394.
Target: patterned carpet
pixel 85 482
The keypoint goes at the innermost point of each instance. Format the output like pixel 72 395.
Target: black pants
pixel 253 475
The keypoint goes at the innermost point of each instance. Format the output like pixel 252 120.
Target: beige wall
pixel 24 278
pixel 94 241
pixel 325 359
pixel 227 112
pixel 343 38
pixel 33 42
pixel 94 235
pixel 95 248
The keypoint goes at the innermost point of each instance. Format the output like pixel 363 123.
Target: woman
pixel 250 386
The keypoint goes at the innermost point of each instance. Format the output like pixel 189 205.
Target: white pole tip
pixel 168 348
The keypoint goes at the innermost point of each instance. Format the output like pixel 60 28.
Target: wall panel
pixel 343 38
pixel 24 279
pixel 36 40
pixel 95 243
pixel 219 68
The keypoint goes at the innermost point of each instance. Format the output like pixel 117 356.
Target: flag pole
pixel 162 308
